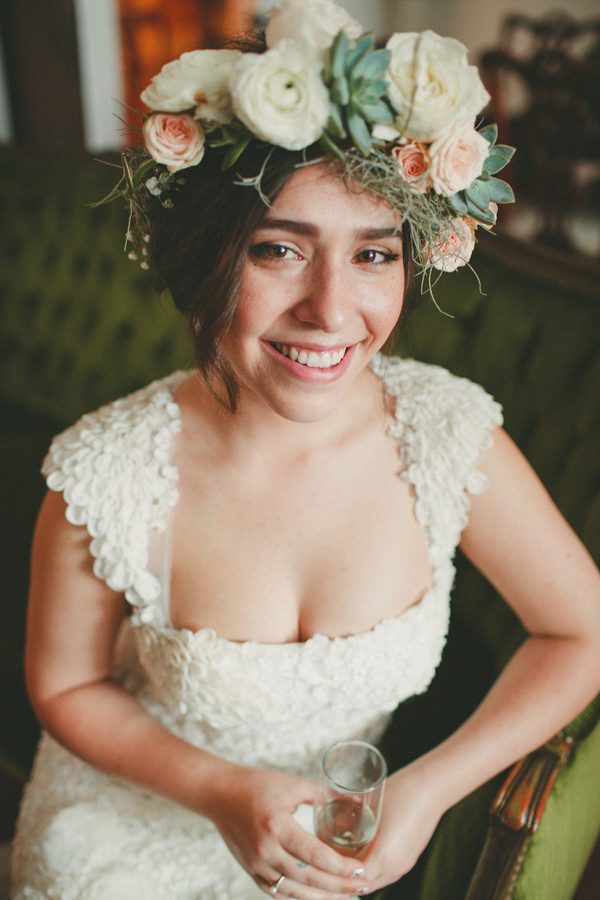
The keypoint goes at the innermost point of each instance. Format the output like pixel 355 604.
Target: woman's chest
pixel 332 549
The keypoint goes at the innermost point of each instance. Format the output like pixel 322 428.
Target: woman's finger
pixel 284 887
pixel 306 861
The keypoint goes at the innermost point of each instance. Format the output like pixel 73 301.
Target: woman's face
pixel 322 289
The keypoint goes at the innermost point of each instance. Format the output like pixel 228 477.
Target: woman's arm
pixel 522 544
pixel 73 621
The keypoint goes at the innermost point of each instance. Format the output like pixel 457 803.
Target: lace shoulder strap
pixel 443 424
pixel 114 470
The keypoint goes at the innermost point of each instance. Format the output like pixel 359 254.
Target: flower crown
pixel 400 120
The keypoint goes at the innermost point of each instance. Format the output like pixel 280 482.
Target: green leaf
pixel 338 54
pixel 143 170
pixel 369 91
pixel 335 125
pixel 499 156
pixel 479 193
pixel 484 215
pixel 490 133
pixel 363 45
pixel 376 112
pixel 232 155
pixel 458 203
pixel 218 142
pixel 340 92
pixel 475 211
pixel 500 191
pixel 330 147
pixel 373 65
pixel 231 134
pixel 360 134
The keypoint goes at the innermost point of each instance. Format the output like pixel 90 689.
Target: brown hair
pixel 199 246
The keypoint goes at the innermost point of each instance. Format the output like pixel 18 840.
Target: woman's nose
pixel 325 301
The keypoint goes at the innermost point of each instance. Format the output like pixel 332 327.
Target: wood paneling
pixel 40 50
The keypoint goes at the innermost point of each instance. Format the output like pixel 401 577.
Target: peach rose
pixel 455 251
pixel 176 141
pixel 457 159
pixel 413 165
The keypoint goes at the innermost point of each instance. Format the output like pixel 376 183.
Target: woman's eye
pixel 377 257
pixel 271 251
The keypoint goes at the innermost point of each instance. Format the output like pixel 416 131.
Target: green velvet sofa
pixel 80 325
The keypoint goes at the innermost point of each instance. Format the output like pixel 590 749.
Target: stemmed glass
pixel 347 811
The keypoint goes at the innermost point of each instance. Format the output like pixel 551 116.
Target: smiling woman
pixel 199 246
pixel 325 274
pixel 238 566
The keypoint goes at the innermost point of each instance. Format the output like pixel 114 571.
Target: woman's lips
pixel 323 359
pixel 310 364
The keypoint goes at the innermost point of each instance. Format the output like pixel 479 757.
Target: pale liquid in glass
pixel 345 825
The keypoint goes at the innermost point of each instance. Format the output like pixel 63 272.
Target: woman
pixel 282 522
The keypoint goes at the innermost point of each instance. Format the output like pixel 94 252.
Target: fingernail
pixel 358 872
pixel 362 891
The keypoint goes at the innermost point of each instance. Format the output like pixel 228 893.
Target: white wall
pixel 475 22
pixel 100 71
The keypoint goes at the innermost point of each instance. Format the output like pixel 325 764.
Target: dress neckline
pixel 206 633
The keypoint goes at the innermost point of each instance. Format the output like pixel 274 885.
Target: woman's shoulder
pixel 444 424
pixel 113 468
pixel 443 421
pixel 122 425
pixel 431 393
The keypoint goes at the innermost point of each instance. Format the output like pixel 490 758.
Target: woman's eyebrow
pixel 374 234
pixel 298 227
pixel 292 225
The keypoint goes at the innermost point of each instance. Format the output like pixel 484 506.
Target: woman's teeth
pixel 312 359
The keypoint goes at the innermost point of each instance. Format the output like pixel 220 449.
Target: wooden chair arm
pixel 514 816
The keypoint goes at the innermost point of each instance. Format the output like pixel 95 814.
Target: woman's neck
pixel 256 430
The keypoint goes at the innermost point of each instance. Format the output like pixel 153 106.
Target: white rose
pixel 457 159
pixel 455 251
pixel 432 86
pixel 316 22
pixel 199 80
pixel 279 95
pixel 385 133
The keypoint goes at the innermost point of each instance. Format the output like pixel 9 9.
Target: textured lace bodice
pixel 271 705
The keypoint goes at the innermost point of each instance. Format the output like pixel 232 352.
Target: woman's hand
pixel 256 822
pixel 411 811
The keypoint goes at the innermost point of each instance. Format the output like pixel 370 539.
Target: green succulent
pixel 474 200
pixel 355 76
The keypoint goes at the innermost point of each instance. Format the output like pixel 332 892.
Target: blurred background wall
pixel 71 72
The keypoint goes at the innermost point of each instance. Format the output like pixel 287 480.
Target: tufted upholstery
pixel 80 325
pixel 70 300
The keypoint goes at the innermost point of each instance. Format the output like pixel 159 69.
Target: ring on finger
pixel 301 864
pixel 274 889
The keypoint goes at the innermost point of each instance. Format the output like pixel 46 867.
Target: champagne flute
pixel 347 811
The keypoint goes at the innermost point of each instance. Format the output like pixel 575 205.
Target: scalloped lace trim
pixel 114 469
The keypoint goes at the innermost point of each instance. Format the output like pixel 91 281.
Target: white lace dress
pixel 82 834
